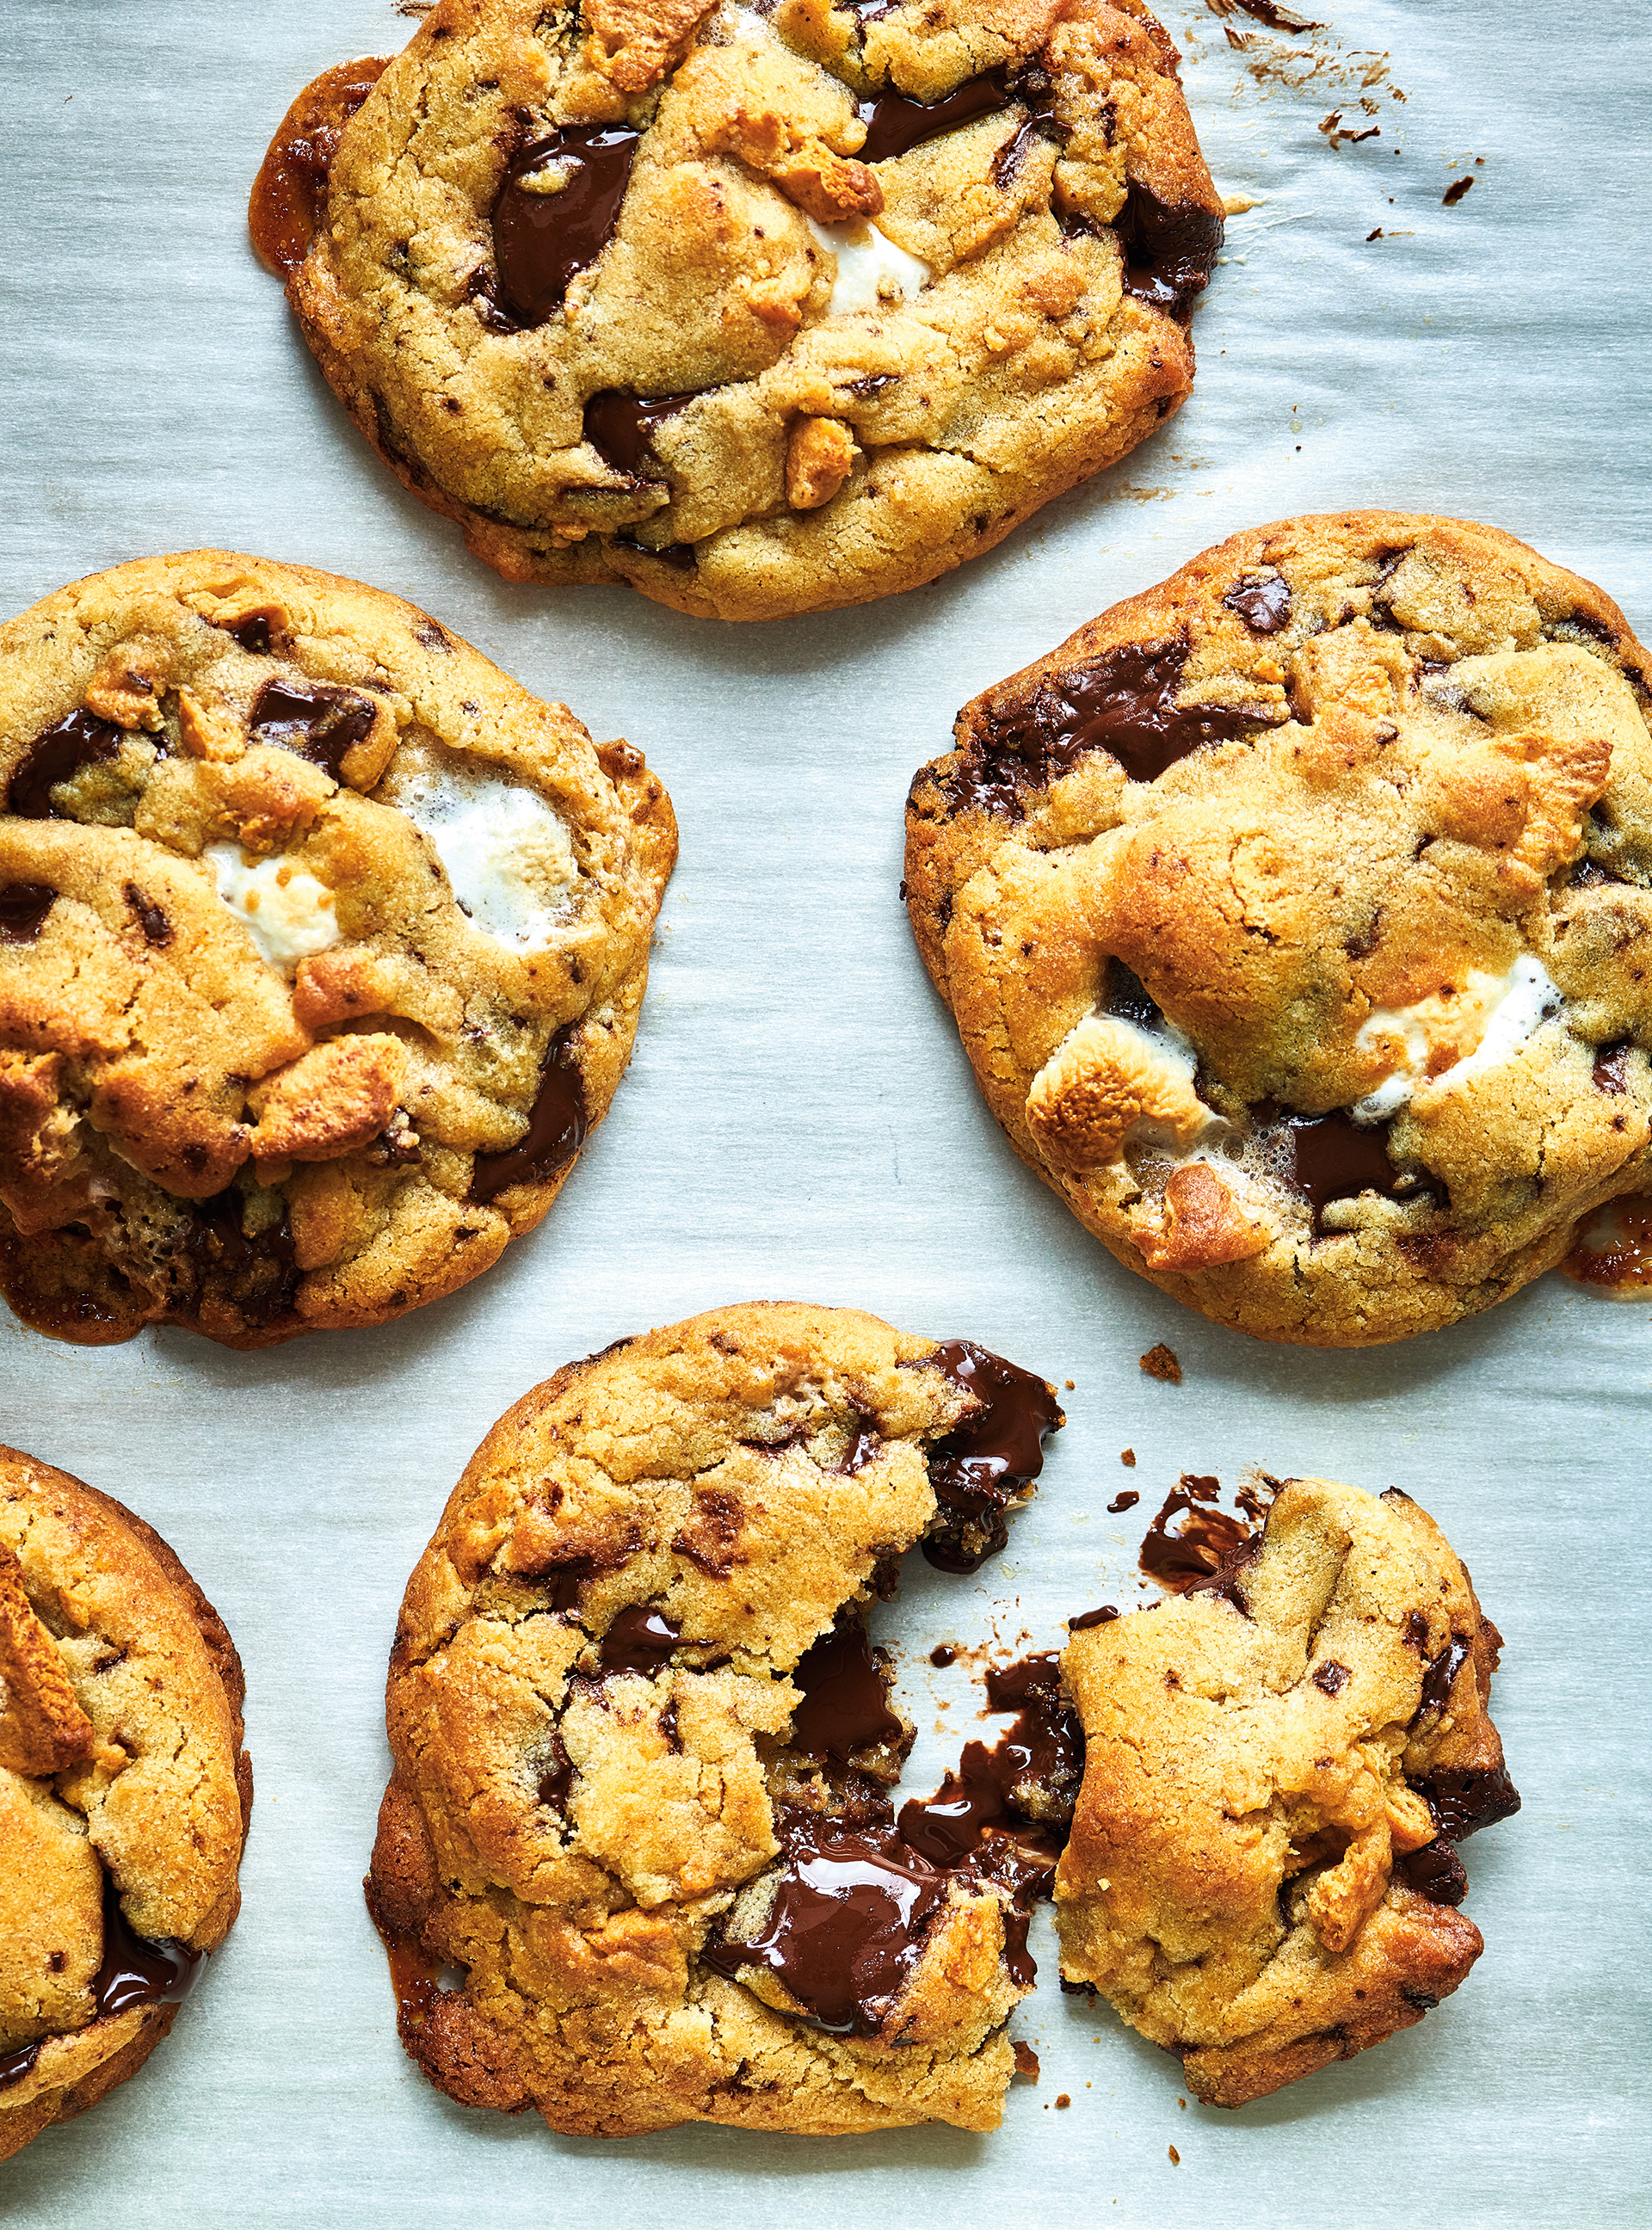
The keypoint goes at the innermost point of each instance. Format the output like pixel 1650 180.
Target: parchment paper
pixel 800 1120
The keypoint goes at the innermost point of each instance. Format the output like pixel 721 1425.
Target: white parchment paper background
pixel 800 1120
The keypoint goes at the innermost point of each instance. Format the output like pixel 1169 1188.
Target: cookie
pixel 643 1752
pixel 125 1793
pixel 321 949
pixel 1262 1874
pixel 763 312
pixel 1297 918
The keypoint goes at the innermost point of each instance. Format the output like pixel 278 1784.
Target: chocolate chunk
pixel 57 756
pixel 23 909
pixel 260 1275
pixel 1161 1361
pixel 852 1911
pixel 321 724
pixel 895 125
pixel 1041 1761
pixel 942 1655
pixel 1264 605
pixel 1463 1800
pixel 1127 1500
pixel 985 1461
pixel 541 241
pixel 1169 248
pixel 1124 703
pixel 14 2065
pixel 556 1129
pixel 290 191
pixel 1439 1677
pixel 639 1640
pixel 1611 1067
pixel 1128 999
pixel 1436 1872
pixel 157 931
pixel 1087 1619
pixel 845 1704
pixel 253 633
pixel 138 1970
pixel 864 1442
pixel 556 1779
pixel 1331 1676
pixel 620 426
pixel 1333 1158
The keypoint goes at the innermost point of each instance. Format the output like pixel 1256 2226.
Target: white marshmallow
pixel 288 912
pixel 1513 1006
pixel 870 267
pixel 508 856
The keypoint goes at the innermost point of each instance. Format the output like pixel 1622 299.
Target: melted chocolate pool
pixel 1207 1553
pixel 55 756
pixel 620 426
pixel 984 1463
pixel 138 1970
pixel 542 242
pixel 845 1705
pixel 1169 250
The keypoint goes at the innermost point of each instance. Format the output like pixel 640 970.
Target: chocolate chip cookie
pixel 1297 917
pixel 642 1758
pixel 125 1793
pixel 321 949
pixel 1262 1873
pixel 762 311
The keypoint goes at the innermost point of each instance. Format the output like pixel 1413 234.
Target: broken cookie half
pixel 1262 1873
pixel 643 1753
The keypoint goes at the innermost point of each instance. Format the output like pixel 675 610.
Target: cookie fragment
pixel 125 1793
pixel 1262 1873
pixel 321 949
pixel 972 245
pixel 644 1755
pixel 1296 915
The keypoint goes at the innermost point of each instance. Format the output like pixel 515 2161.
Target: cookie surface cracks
pixel 1297 917
pixel 322 945
pixel 1260 1874
pixel 877 367
pixel 589 1707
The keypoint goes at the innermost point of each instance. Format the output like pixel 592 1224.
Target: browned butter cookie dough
pixel 643 1755
pixel 762 310
pixel 322 945
pixel 1297 918
pixel 125 1793
pixel 1262 1874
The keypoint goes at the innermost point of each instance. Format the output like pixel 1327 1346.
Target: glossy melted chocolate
pixel 894 125
pixel 541 241
pixel 14 2065
pixel 321 724
pixel 57 755
pixel 1264 605
pixel 1333 1158
pixel 620 426
pixel 1207 1553
pixel 845 1704
pixel 984 1463
pixel 290 189
pixel 556 1131
pixel 1169 250
pixel 138 1970
pixel 639 1640
pixel 23 909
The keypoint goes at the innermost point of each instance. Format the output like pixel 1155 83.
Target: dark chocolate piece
pixel 23 909
pixel 259 1275
pixel 1124 703
pixel 1611 1067
pixel 1331 1676
pixel 138 1970
pixel 845 1704
pixel 1436 1872
pixel 678 554
pixel 639 1640
pixel 1463 1800
pixel 1439 1676
pixel 14 2065
pixel 556 1779
pixel 895 125
pixel 556 1129
pixel 1127 998
pixel 1169 248
pixel 1263 605
pixel 864 1442
pixel 57 755
pixel 1127 1500
pixel 152 918
pixel 1087 1619
pixel 983 1463
pixel 620 426
pixel 541 241
pixel 942 1655
pixel 252 632
pixel 1333 1158
pixel 1205 1554
pixel 321 724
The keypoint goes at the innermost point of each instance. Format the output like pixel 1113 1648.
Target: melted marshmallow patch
pixel 509 857
pixel 288 912
pixel 1513 1006
pixel 870 267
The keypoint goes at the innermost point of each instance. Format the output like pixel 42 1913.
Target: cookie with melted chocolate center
pixel 763 312
pixel 642 1753
pixel 322 945
pixel 1297 917
pixel 125 1793
pixel 1262 1873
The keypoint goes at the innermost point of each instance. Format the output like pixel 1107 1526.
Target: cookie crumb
pixel 1026 2061
pixel 1127 1458
pixel 1160 1362
pixel 1061 2098
pixel 1176 2158
pixel 1454 192
pixel 1070 1386
pixel 1182 2103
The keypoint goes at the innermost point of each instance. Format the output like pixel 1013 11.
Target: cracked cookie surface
pixel 761 312
pixel 1296 916
pixel 322 945
pixel 639 1795
pixel 1262 1874
pixel 125 1793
